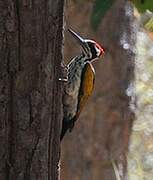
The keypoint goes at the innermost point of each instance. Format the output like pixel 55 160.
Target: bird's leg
pixel 64 73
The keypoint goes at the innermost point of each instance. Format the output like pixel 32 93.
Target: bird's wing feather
pixel 85 91
pixel 86 87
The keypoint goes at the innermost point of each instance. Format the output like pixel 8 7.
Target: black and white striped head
pixel 91 49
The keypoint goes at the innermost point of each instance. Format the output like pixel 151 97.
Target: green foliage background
pixel 101 7
pixel 99 10
pixel 143 5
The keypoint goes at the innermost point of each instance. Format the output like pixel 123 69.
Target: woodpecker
pixel 80 83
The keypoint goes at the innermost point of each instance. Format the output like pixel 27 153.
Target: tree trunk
pixel 30 93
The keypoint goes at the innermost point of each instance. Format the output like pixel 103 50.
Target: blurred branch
pixel 116 171
pixel 149 25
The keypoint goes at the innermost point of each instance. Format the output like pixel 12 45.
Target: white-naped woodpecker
pixel 80 82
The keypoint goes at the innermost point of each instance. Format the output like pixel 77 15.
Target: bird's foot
pixel 64 77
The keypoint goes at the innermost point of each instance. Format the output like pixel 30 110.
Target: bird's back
pixel 71 88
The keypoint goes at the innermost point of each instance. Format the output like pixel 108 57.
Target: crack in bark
pixel 52 140
pixel 8 61
pixel 49 147
pixel 29 163
pixel 11 127
pixel 51 125
pixel 19 32
pixel 30 111
pixel 8 165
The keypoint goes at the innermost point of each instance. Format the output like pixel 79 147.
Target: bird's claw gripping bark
pixel 64 77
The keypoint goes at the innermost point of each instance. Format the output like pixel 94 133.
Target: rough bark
pixel 102 132
pixel 30 93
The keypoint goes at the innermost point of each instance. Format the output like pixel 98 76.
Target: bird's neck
pixel 83 58
pixel 79 60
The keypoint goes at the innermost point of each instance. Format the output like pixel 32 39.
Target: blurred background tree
pixel 140 156
pixel 123 92
pixel 103 130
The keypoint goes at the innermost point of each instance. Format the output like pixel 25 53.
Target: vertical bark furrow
pixel 11 128
pixel 29 162
pixel 18 31
pixel 58 24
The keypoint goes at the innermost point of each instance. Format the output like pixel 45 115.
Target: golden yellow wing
pixel 86 87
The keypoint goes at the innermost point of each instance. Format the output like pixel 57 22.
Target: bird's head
pixel 91 49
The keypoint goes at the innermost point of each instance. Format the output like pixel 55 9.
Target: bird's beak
pixel 76 36
pixel 79 39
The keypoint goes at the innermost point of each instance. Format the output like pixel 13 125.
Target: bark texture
pixel 102 132
pixel 30 93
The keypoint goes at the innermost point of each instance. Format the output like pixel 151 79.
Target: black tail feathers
pixel 65 127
